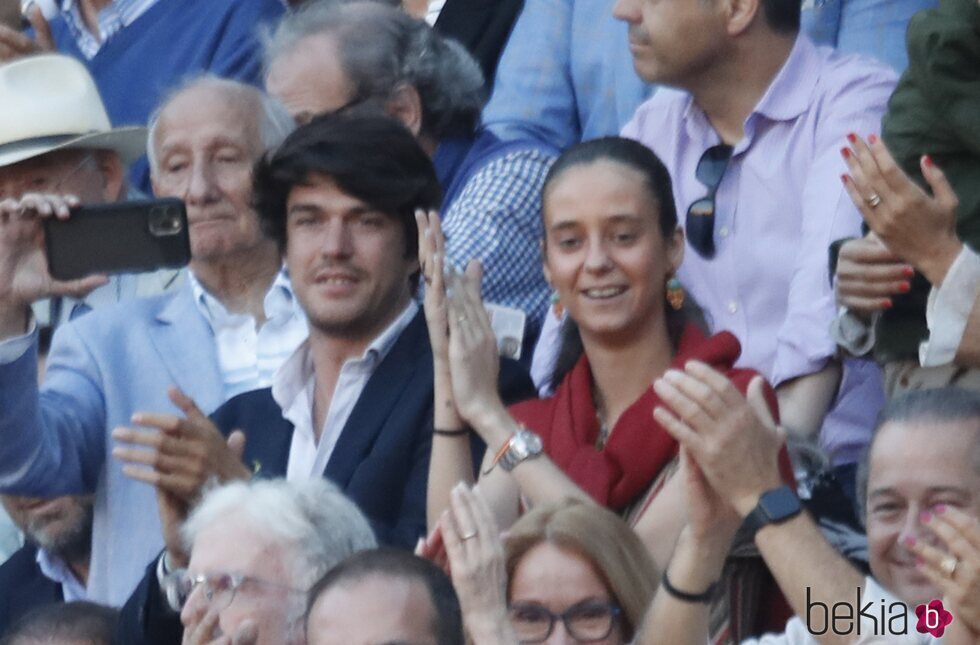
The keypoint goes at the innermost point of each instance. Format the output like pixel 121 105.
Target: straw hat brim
pixel 129 143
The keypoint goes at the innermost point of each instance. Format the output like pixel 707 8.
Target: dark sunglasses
pixel 699 226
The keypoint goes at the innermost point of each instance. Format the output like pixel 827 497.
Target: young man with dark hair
pixel 384 596
pixel 355 402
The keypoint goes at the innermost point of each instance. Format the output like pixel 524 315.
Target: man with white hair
pixel 224 332
pixel 255 550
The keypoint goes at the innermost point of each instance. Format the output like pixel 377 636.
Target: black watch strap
pixel 775 507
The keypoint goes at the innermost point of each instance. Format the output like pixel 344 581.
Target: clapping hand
pixel 918 227
pixel 473 355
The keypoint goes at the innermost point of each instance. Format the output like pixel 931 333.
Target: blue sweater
pixel 171 41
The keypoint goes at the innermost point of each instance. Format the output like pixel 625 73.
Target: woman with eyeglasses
pixel 611 248
pixel 567 572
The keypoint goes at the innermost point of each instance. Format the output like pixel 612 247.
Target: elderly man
pixel 262 545
pixel 366 55
pixel 384 596
pixel 223 333
pixel 53 564
pixel 139 51
pixel 920 486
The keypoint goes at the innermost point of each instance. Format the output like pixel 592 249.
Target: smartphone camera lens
pixel 165 221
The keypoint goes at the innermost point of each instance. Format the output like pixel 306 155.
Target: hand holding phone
pixel 24 277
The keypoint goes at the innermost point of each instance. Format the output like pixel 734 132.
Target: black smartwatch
pixel 775 507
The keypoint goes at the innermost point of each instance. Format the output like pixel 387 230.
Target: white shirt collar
pixel 296 373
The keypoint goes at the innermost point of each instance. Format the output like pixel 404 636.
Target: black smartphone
pixel 123 237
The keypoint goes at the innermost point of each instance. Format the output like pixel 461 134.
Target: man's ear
pixel 741 14
pixel 405 104
pixel 113 175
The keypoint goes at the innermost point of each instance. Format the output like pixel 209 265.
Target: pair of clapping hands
pixel 178 455
pixel 464 347
pixel 467 544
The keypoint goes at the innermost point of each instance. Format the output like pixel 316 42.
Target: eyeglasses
pixel 699 227
pixel 38 181
pixel 219 588
pixel 586 622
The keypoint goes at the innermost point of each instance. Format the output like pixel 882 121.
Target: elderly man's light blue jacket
pixel 102 368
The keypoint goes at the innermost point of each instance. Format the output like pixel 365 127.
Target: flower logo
pixel 933 618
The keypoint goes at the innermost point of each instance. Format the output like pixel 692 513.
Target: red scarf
pixel 638 447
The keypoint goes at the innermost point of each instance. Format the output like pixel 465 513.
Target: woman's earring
pixel 556 307
pixel 675 293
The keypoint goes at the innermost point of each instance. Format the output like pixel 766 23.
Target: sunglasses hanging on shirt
pixel 699 226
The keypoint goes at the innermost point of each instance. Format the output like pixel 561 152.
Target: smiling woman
pixel 611 248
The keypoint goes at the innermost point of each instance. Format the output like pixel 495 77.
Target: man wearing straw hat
pixel 55 137
pixel 221 332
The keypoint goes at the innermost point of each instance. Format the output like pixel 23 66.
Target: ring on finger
pixel 468 536
pixel 873 200
pixel 949 565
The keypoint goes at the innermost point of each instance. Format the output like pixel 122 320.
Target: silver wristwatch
pixel 523 445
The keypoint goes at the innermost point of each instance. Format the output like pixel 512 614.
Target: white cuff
pixel 948 309
pixel 854 335
pixel 14 347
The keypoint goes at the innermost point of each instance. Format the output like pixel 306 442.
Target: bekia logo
pixel 876 618
pixel 933 618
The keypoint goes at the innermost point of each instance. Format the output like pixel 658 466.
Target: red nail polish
pixel 843 179
pixel 939 509
pixel 845 152
pixel 904 287
pixel 925 517
pixel 927 160
pixel 886 303
pixel 908 272
pixel 909 540
pixel 872 138
pixel 852 137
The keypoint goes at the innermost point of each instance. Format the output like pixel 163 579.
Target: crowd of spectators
pixel 554 321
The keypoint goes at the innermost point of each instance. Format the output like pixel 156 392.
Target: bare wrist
pixel 937 265
pixel 16 319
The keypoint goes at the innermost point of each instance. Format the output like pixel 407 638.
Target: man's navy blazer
pixel 381 459
pixel 23 587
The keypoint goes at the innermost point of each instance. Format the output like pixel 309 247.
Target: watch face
pixel 781 503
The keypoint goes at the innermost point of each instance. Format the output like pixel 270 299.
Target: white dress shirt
pixel 294 386
pixel 248 354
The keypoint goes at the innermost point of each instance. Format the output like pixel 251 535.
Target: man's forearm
pixel 804 401
pixel 808 569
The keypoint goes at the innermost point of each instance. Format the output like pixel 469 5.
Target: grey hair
pixel 939 406
pixel 381 48
pixel 313 516
pixel 274 121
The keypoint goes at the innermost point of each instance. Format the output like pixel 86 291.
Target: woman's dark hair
pixel 637 156
pixel 372 158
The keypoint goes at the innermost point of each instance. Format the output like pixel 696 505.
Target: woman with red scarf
pixel 611 248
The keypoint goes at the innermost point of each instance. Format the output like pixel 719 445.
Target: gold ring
pixel 874 200
pixel 948 565
pixel 468 536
